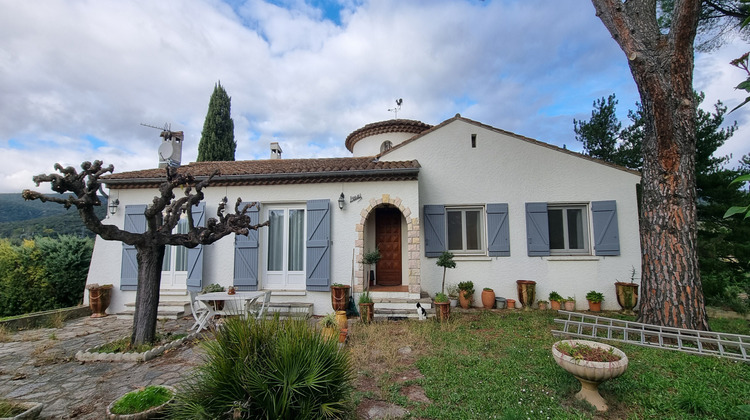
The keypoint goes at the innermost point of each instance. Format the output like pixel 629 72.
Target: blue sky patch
pixel 94 141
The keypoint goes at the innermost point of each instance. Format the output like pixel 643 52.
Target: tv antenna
pixel 395 110
pixel 166 131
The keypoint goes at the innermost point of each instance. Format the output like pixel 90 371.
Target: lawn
pixel 498 364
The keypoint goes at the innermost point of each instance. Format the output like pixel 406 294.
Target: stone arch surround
pixel 412 243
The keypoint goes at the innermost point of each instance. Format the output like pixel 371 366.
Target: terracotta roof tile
pixel 382 127
pixel 276 171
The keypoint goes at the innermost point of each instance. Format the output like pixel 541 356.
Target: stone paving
pixel 39 365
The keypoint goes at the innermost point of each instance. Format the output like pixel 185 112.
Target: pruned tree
pixel 662 67
pixel 161 218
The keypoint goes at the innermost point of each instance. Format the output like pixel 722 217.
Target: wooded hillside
pixel 25 219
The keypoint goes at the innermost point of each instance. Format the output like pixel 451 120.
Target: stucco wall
pixel 370 146
pixel 506 169
pixel 218 257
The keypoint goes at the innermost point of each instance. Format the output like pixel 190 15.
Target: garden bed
pixel 94 354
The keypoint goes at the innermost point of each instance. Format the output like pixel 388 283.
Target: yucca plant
pixel 268 369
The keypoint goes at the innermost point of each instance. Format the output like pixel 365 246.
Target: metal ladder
pixel 704 343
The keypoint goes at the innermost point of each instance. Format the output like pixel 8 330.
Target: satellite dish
pixel 165 151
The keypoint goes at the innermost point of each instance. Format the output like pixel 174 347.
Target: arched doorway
pixel 388 240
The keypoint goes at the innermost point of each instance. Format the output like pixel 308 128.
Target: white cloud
pixel 74 69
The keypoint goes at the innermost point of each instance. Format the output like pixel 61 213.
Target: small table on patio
pixel 246 298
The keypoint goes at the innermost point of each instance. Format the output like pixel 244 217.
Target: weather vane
pixel 395 110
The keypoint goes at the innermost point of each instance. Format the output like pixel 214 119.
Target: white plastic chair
pixel 198 309
pixel 258 309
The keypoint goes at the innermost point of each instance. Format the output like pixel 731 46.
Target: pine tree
pixel 217 139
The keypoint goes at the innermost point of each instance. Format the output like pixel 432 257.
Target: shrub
pixel 66 261
pixel 268 369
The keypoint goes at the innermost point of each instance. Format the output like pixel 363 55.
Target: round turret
pixel 378 137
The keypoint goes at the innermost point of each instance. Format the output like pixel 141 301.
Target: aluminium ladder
pixel 704 343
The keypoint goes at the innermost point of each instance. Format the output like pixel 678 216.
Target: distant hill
pixel 20 218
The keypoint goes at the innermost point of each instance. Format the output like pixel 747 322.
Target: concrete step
pixel 168 309
pixel 290 309
pixel 401 303
pixel 386 313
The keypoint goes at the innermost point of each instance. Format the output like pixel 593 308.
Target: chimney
pixel 170 150
pixel 275 150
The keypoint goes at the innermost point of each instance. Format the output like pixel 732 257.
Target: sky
pixel 79 77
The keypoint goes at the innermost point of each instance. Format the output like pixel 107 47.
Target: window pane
pixel 473 229
pixel 165 265
pixel 181 251
pixel 575 228
pixel 455 240
pixel 556 230
pixel 296 239
pixel 276 240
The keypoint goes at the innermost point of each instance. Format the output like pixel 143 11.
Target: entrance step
pixel 402 303
pixel 385 313
pixel 168 309
pixel 289 310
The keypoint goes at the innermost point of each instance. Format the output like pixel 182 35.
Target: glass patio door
pixel 285 256
pixel 174 268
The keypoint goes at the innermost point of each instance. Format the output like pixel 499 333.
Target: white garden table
pixel 246 300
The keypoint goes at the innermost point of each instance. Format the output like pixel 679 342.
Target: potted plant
pixel 526 292
pixel 442 307
pixel 366 307
pixel 488 298
pixel 591 363
pixel 627 293
pixel 555 299
pixel 213 288
pixel 143 403
pixel 11 409
pixel 466 293
pixel 453 294
pixel 99 297
pixel 595 301
pixel 569 303
pixel 328 326
pixel 339 296
pixel 445 260
pixel 543 305
pixel 369 259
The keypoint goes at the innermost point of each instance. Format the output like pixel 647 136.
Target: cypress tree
pixel 217 139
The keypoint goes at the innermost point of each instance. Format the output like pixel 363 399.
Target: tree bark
pixel 662 67
pixel 150 258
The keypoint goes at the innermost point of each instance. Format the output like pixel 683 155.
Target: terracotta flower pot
pixel 542 306
pixel 366 312
pixel 488 299
pixel 627 296
pixel 339 297
pixel 511 303
pixel 554 305
pixel 463 301
pixel 341 320
pixel 342 335
pixel 442 311
pixel 570 305
pixel 526 292
pixel 99 298
pixel 595 306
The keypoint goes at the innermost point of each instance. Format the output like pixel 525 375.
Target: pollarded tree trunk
pixel 150 258
pixel 662 66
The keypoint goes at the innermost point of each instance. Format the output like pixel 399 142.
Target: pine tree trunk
pixel 662 66
pixel 150 258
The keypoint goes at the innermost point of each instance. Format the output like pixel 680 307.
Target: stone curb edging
pixel 91 355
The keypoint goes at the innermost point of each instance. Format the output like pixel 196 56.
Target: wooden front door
pixel 388 240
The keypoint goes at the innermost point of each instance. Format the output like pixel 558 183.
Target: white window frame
pixel 482 230
pixel 585 222
pixel 284 279
pixel 173 278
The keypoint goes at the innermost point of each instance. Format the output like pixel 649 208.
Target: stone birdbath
pixel 590 373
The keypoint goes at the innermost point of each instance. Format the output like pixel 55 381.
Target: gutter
pixel 279 176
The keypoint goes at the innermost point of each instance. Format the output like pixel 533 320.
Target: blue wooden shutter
pixel 246 255
pixel 135 222
pixel 195 255
pixel 318 273
pixel 537 229
pixel 498 233
pixel 434 230
pixel 606 233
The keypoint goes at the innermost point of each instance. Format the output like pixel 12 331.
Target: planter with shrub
pixel 465 293
pixel 366 307
pixel 442 307
pixel 145 403
pixel 595 300
pixel 555 300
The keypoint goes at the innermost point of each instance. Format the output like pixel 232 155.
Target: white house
pixel 509 208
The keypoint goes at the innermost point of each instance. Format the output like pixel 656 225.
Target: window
pixel 387 145
pixel 285 261
pixel 175 265
pixel 464 226
pixel 568 229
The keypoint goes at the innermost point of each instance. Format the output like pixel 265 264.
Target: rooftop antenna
pixel 395 110
pixel 170 150
pixel 166 131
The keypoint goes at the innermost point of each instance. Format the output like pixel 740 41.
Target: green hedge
pixel 43 274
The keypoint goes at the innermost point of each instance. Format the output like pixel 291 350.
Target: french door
pixel 285 251
pixel 175 265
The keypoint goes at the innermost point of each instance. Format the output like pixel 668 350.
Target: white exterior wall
pixel 370 146
pixel 218 262
pixel 505 169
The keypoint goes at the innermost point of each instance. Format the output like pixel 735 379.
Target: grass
pixel 123 345
pixel 141 400
pixel 10 409
pixel 499 365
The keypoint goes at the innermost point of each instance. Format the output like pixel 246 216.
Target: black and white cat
pixel 421 312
